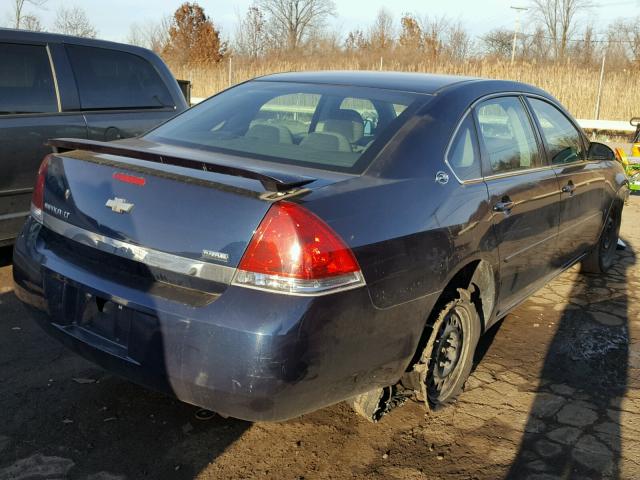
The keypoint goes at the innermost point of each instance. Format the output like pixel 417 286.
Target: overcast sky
pixel 112 18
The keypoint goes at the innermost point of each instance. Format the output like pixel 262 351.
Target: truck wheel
pixel 448 357
pixel 603 254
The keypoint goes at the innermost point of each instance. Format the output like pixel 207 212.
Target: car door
pixel 121 94
pixel 524 195
pixel 30 114
pixel 581 181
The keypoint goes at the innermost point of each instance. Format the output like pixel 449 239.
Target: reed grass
pixel 575 86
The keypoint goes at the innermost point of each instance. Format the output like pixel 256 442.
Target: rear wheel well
pixel 478 273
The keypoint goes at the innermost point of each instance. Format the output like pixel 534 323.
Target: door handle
pixel 505 205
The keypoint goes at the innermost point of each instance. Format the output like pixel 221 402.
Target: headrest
pixel 329 141
pixel 269 133
pixel 347 123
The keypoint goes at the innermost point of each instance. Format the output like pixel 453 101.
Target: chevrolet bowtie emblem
pixel 119 205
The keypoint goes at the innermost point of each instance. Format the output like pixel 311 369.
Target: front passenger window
pixel 561 137
pixel 507 135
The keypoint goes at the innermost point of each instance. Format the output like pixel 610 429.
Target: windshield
pixel 323 126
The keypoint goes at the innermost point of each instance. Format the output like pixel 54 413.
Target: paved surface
pixel 556 394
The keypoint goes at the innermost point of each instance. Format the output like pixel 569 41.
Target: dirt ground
pixel 555 394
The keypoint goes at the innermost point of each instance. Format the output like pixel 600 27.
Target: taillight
pixel 295 252
pixel 37 199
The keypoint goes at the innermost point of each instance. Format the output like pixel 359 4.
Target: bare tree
pixel 622 43
pixel 355 41
pixel 584 50
pixel 458 43
pixel 151 34
pixel 31 22
pixel 559 18
pixel 624 35
pixel 497 43
pixel 632 34
pixel 382 32
pixel 434 31
pixel 324 42
pixel 74 21
pixel 251 33
pixel 294 20
pixel 535 46
pixel 410 33
pixel 19 17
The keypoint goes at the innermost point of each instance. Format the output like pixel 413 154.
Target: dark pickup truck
pixel 60 86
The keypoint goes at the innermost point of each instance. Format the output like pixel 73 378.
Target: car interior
pixel 507 137
pixel 303 127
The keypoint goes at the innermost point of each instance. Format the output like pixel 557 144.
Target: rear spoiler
pixel 271 181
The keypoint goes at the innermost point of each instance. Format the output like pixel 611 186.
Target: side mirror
pixel 600 152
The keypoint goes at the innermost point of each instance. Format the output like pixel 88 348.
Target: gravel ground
pixel 555 394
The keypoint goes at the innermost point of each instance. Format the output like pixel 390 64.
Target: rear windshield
pixel 322 126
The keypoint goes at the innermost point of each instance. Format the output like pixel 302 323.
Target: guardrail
pixel 607 125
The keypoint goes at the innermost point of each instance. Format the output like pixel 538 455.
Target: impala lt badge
pixel 221 256
pixel 119 205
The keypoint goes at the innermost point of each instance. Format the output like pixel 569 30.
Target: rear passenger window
pixel 463 156
pixel 507 135
pixel 26 82
pixel 563 141
pixel 110 79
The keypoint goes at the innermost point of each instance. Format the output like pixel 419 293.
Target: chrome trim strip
pixel 54 74
pixel 147 256
pixel 307 288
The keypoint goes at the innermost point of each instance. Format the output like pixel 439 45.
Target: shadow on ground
pixel 63 416
pixel 586 360
pixel 5 256
pixel 545 399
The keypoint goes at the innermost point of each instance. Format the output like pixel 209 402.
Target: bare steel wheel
pixel 448 355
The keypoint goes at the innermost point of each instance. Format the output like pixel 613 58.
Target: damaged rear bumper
pixel 249 354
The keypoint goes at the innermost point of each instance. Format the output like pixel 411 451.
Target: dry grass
pixel 575 86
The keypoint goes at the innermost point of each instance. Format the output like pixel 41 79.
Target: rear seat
pixel 347 123
pixel 270 133
pixel 328 141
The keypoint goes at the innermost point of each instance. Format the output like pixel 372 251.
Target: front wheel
pixel 603 254
pixel 448 355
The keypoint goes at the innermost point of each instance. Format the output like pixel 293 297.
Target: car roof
pixel 409 82
pixel 23 36
pixel 424 83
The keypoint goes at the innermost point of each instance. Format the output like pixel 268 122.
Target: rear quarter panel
pixel 410 233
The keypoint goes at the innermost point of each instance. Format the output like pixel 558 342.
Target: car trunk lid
pixel 178 213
